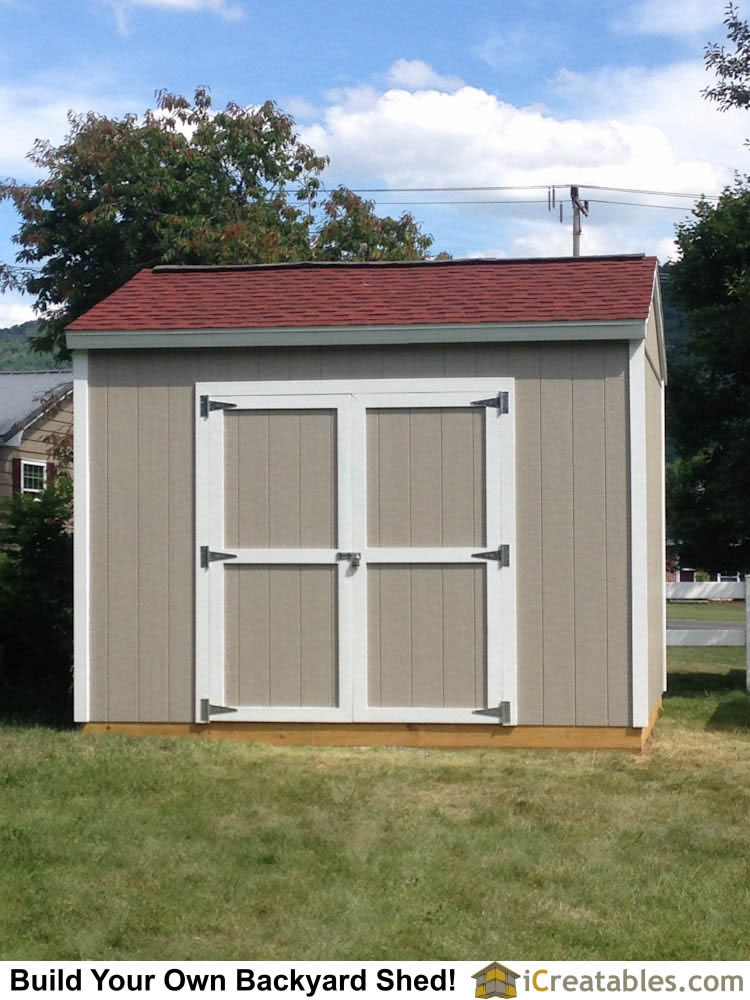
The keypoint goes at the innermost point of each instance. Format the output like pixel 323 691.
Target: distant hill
pixel 16 353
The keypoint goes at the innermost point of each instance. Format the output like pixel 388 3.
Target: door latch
pixel 355 558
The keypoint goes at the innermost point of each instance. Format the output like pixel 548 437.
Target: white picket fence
pixel 712 635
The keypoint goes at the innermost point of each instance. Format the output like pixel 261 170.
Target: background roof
pixel 568 289
pixel 20 393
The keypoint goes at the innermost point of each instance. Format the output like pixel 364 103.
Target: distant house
pixel 33 407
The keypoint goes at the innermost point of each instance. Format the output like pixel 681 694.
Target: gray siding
pixel 572 521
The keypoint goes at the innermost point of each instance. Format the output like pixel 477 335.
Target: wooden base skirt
pixel 438 735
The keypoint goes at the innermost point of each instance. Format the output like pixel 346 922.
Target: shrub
pixel 36 606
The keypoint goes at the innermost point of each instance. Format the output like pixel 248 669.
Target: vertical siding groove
pixel 301 618
pixel 607 645
pixel 167 568
pixel 573 533
pixel 269 657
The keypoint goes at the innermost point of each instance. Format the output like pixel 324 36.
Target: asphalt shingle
pixel 323 295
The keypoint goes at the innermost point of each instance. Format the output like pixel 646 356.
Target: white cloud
pixel 471 137
pixel 14 312
pixel 516 46
pixel 227 11
pixel 301 108
pixel 646 129
pixel 671 17
pixel 414 74
pixel 539 239
pixel 40 112
pixel 668 99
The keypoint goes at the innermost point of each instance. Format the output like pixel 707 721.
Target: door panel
pixel 432 498
pixel 280 478
pixel 426 636
pixel 425 477
pixel 281 635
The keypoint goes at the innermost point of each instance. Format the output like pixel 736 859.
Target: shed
pixel 375 503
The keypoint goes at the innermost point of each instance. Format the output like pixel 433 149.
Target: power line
pixel 524 187
pixel 637 204
pixel 665 194
pixel 531 201
pixel 462 201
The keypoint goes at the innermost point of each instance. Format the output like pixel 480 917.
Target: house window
pixel 33 478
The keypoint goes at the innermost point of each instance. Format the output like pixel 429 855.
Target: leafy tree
pixel 708 485
pixel 709 390
pixel 36 606
pixel 732 68
pixel 352 231
pixel 183 184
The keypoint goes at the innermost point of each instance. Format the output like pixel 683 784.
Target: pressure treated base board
pixel 437 735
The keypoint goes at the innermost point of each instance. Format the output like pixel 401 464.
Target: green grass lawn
pixel 707 611
pixel 116 848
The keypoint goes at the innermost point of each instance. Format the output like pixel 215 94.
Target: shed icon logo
pixel 495 980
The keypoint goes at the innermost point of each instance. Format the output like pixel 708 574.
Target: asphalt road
pixel 691 623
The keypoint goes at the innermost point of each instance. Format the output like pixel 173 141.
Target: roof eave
pixel 321 336
pixel 13 437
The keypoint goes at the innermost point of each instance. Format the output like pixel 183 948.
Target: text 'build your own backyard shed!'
pixel 408 503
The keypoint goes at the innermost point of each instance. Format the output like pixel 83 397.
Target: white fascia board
pixel 657 308
pixel 353 335
pixel 81 540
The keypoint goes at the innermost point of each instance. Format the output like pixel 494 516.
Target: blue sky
pixel 411 94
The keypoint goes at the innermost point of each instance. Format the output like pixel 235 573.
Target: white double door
pixel 355 557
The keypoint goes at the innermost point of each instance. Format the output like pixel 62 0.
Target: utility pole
pixel 579 208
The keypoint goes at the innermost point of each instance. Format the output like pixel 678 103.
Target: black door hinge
pixel 501 555
pixel 501 402
pixel 208 404
pixel 208 556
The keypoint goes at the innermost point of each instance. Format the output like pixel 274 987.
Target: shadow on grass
pixel 733 708
pixel 698 684
pixel 20 721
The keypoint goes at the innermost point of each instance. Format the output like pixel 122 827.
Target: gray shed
pixel 387 503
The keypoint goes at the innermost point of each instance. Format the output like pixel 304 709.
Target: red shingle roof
pixel 451 292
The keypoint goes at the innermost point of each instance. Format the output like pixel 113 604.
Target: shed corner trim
pixel 81 540
pixel 638 533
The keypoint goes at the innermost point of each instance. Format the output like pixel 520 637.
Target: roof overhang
pixel 14 437
pixel 627 329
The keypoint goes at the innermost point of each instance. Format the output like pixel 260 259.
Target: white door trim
pixel 378 393
pixel 210 528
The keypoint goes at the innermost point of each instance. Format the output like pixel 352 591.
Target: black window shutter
pixel 16 466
